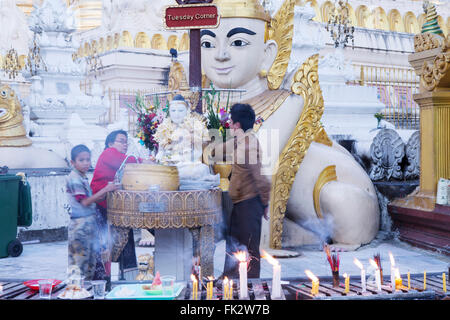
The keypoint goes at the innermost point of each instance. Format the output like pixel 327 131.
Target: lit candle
pixel 315 282
pixel 425 280
pixel 377 274
pixel 194 287
pixel 409 281
pixel 209 288
pixel 444 283
pixel 398 279
pixel 276 277
pixel 230 295
pixel 347 283
pixel 363 274
pixel 225 288
pixel 243 290
pixel 391 257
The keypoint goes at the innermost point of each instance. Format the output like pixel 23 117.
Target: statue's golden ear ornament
pixel 263 73
pixel 281 29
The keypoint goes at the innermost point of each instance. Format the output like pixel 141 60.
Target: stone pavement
pixel 49 260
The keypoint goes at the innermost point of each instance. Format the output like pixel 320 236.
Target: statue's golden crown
pixel 242 9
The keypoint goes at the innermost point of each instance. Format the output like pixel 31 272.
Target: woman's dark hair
pixel 77 150
pixel 112 137
pixel 244 114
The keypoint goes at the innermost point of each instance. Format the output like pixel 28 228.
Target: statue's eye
pixel 207 44
pixel 239 43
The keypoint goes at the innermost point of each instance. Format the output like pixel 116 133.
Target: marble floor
pixel 49 260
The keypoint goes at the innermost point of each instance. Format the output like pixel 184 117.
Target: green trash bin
pixel 9 209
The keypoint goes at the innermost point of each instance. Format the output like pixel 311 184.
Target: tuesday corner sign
pixel 191 17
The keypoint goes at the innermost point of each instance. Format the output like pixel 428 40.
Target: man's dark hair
pixel 112 137
pixel 77 150
pixel 244 114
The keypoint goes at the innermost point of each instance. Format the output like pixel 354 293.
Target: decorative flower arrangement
pixel 217 117
pixel 379 116
pixel 149 118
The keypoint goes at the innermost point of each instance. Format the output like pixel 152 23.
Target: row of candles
pixel 396 280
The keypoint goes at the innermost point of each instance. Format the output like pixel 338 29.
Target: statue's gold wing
pixel 281 29
pixel 308 129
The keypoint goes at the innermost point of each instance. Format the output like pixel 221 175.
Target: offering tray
pixel 137 293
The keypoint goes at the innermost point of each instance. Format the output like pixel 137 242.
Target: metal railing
pixel 395 87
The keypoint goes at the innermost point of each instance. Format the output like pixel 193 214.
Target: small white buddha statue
pixel 181 138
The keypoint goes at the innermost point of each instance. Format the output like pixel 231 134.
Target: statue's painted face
pixel 235 52
pixel 177 111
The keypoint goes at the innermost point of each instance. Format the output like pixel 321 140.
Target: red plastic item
pixel 34 285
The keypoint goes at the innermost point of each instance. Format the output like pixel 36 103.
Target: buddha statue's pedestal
pixel 176 217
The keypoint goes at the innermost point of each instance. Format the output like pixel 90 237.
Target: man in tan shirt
pixel 249 191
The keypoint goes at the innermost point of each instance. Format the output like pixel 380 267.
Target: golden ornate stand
pixel 197 210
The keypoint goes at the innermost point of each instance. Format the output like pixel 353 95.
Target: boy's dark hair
pixel 112 137
pixel 77 150
pixel 244 114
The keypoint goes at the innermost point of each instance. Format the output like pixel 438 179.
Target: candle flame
pixel 241 256
pixel 311 276
pixel 345 275
pixel 397 274
pixel 373 263
pixel 225 280
pixel 358 264
pixel 269 258
pixel 392 259
pixel 193 278
pixel 210 278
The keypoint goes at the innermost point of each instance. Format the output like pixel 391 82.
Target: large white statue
pixel 315 181
pixel 181 138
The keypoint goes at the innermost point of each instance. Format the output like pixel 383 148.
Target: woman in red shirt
pixel 116 146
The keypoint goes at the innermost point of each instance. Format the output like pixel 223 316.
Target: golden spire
pixel 242 9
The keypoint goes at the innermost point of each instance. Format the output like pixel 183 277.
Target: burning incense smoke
pixel 333 258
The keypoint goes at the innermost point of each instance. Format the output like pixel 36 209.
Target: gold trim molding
pixel 426 41
pixel 164 209
pixel 436 74
pixel 328 174
pixel 322 137
pixel 306 84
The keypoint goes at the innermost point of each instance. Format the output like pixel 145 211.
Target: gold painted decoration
pixel 435 74
pixel 306 84
pixel 272 98
pixel 328 174
pixel 322 137
pixel 281 29
pixel 242 9
pixel 164 209
pixel 12 130
pixel 178 84
pixel 426 41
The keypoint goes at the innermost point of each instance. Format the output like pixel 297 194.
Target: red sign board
pixel 191 17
